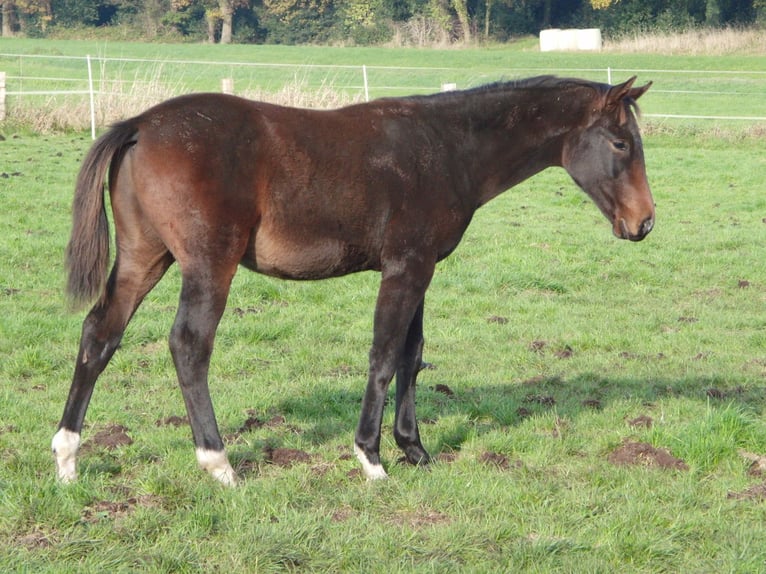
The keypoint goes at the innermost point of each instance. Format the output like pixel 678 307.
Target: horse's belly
pixel 298 258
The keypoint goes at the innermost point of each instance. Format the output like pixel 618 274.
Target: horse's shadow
pixel 325 415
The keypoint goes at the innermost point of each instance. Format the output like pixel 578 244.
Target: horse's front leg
pixel 399 302
pixel 406 426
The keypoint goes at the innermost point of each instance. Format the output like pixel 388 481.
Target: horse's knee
pixel 186 347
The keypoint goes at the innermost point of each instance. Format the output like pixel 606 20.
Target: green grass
pixel 551 334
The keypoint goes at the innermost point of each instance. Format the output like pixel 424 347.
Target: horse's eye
pixel 620 145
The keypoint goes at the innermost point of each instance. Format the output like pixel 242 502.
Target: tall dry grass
pixel 118 97
pixel 709 42
pixel 298 94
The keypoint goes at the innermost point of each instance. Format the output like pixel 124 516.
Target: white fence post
pixel 92 100
pixel 227 85
pixel 366 88
pixel 2 96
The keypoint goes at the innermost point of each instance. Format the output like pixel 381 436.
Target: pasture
pixel 594 405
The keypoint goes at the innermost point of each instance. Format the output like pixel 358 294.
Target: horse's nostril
pixel 647 225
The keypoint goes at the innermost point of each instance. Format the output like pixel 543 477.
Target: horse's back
pixel 281 186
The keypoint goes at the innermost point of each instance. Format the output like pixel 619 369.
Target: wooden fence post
pixel 2 96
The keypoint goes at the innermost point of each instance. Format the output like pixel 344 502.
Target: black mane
pixel 545 82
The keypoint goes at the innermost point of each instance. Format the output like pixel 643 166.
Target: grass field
pixel 595 405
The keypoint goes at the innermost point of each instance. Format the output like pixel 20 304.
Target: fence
pixel 676 95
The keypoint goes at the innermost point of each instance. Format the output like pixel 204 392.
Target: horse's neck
pixel 517 136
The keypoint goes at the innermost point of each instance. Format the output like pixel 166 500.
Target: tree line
pixel 365 22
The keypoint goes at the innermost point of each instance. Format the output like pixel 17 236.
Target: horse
pixel 214 181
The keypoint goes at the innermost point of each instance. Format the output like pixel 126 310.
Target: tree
pixel 602 4
pixel 226 12
pixel 18 15
pixel 366 21
pixel 461 10
pixel 9 18
pixel 298 21
pixel 218 15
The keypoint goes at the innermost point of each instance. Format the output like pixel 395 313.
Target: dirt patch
pixel 354 473
pixel 446 457
pixel 342 515
pixel 594 404
pixel 757 463
pixel 114 510
pixel 560 427
pixel 538 346
pixel 254 422
pixel 497 320
pixel 172 421
pixel 640 453
pixel 565 352
pixel 285 457
pixel 499 461
pixel 109 438
pixel 445 390
pixel 246 466
pixel 544 400
pixel 523 413
pixel 641 421
pixel 420 519
pixel 250 424
pixel 714 393
pixel 757 493
pixel 240 312
pixel 35 540
pixel 344 371
pixel 640 357
pixel 273 422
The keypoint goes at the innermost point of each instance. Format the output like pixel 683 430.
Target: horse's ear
pixel 636 93
pixel 616 95
pixel 625 90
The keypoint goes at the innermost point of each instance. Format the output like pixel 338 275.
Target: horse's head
pixel 606 159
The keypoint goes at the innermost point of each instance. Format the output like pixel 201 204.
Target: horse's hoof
pixel 371 470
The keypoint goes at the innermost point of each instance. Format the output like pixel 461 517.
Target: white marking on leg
pixel 371 471
pixel 217 464
pixel 64 445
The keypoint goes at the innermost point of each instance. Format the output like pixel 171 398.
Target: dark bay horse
pixel 213 182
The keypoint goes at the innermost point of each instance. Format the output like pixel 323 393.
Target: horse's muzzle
pixel 643 229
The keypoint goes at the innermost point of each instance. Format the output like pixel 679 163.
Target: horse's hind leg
pixel 203 300
pixel 102 330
